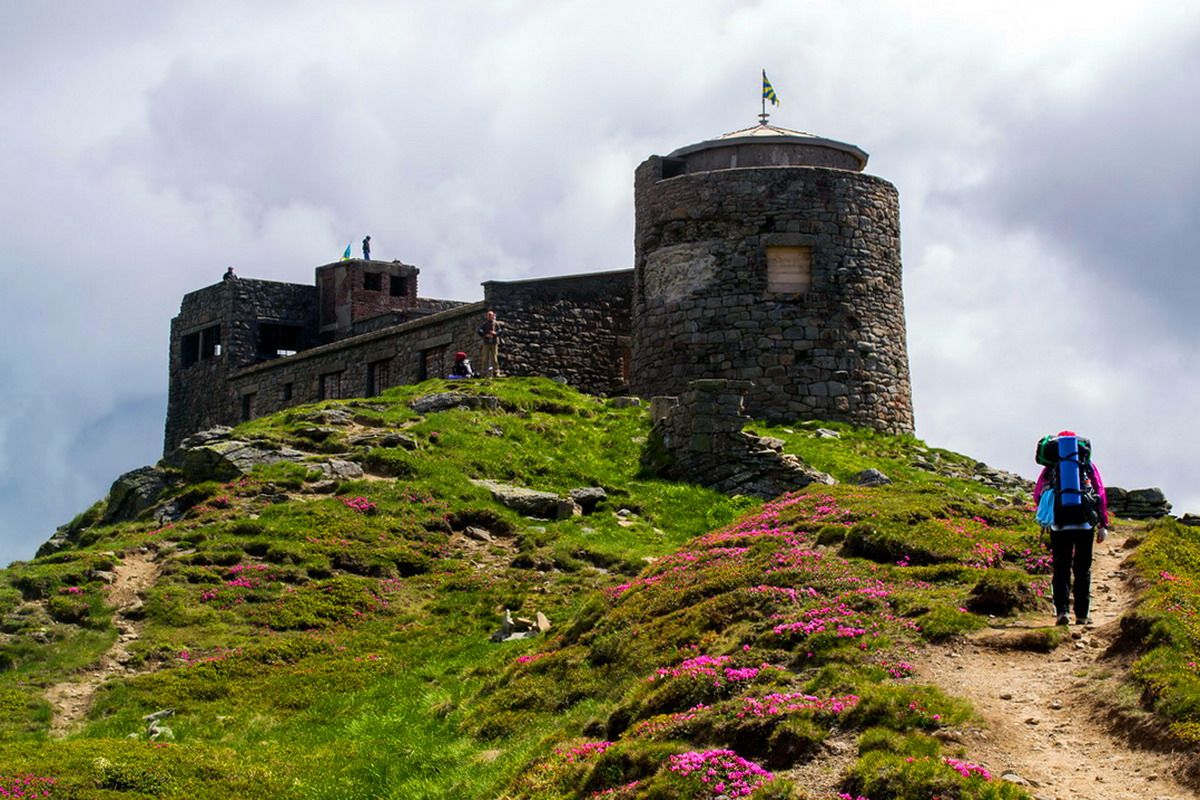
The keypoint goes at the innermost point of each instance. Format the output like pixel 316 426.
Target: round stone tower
pixel 767 255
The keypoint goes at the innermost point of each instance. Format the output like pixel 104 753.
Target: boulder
pixel 1192 520
pixel 330 416
pixel 339 469
pixel 385 440
pixel 588 497
pixel 512 629
pixel 871 477
pixel 225 460
pixel 1137 503
pixel 625 402
pixel 442 401
pixel 63 536
pixel 214 434
pixel 531 503
pixel 228 459
pixel 133 493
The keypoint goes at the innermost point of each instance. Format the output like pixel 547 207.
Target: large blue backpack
pixel 1069 459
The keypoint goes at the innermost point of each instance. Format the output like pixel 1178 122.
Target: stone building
pixel 767 256
pixel 764 256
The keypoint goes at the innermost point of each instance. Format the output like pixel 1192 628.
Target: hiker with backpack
pixel 1071 503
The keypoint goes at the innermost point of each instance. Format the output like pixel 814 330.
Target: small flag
pixel 346 255
pixel 769 90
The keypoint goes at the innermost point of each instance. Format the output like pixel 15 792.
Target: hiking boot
pixel 1083 621
pixel 1063 619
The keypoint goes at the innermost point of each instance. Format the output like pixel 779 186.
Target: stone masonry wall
pixel 357 367
pixel 576 328
pixel 198 395
pixel 699 438
pixel 702 310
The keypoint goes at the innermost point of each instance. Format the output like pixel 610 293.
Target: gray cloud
pixel 163 142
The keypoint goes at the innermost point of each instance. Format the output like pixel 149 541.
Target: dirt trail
pixel 1043 720
pixel 71 700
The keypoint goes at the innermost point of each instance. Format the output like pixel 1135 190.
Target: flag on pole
pixel 769 90
pixel 346 255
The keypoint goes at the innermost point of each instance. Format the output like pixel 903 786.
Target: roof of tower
pixel 774 137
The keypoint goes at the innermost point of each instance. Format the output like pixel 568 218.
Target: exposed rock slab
pixel 443 401
pixel 133 493
pixel 531 503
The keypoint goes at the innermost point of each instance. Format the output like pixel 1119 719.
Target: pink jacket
pixel 1043 479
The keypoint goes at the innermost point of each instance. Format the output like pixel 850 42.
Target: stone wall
pixel 702 310
pixel 575 328
pixel 198 393
pixel 698 437
pixel 361 366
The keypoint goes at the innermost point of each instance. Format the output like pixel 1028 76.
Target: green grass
pixel 1165 628
pixel 312 649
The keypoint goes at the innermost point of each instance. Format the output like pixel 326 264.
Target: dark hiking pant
pixel 1072 551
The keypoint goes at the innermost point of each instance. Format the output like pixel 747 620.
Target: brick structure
pixel 764 256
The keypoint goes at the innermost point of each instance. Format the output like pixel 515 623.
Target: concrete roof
pixel 772 134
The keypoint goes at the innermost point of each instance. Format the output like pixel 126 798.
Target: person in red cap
pixel 1071 541
pixel 462 366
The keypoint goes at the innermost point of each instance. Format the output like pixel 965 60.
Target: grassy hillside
pixel 318 640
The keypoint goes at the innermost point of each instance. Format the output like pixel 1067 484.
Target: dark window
pixel 210 342
pixel 331 386
pixel 276 340
pixel 433 363
pixel 201 345
pixel 287 391
pixel 248 406
pixel 399 287
pixel 672 167
pixel 190 346
pixel 379 376
pixel 372 281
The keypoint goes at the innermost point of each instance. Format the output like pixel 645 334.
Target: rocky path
pixel 1044 724
pixel 71 700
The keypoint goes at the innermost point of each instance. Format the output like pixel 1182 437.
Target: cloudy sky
pixel 1045 154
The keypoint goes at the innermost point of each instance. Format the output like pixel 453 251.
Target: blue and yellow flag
pixel 346 255
pixel 769 90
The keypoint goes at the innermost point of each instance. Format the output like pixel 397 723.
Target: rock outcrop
pixel 1137 503
pixel 531 503
pixel 443 401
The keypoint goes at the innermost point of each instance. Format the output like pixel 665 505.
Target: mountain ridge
pixel 326 634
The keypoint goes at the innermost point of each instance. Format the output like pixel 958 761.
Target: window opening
pixel 201 345
pixel 789 269
pixel 248 406
pixel 331 386
pixel 399 286
pixel 275 339
pixel 287 391
pixel 372 281
pixel 433 363
pixel 379 376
